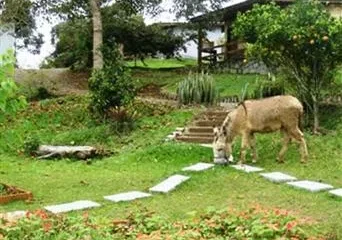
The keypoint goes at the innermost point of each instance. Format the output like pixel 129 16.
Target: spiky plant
pixel 198 88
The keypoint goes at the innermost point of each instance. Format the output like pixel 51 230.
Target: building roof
pixel 231 10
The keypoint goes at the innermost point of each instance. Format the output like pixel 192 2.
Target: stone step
pixel 198 134
pixel 195 139
pixel 196 129
pixel 210 118
pixel 215 113
pixel 205 123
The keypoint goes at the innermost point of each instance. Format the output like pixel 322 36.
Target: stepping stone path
pixel 67 207
pixel 336 192
pixel 247 168
pixel 278 177
pixel 128 196
pixel 198 167
pixel 310 185
pixel 169 184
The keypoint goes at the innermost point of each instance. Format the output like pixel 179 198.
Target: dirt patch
pixel 150 90
pixel 58 81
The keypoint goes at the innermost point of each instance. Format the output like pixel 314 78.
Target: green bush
pixel 268 88
pixel 197 88
pixel 31 145
pixel 110 87
pixel 122 119
pixel 10 100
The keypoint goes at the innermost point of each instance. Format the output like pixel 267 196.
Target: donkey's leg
pixel 229 150
pixel 244 145
pixel 286 140
pixel 299 137
pixel 253 146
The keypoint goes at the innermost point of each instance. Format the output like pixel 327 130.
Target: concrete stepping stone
pixel 198 167
pixel 67 207
pixel 247 168
pixel 127 196
pixel 206 145
pixel 169 184
pixel 310 185
pixel 336 192
pixel 278 177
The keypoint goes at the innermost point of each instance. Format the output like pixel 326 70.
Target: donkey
pixel 266 115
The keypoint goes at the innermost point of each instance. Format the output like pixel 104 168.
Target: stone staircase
pixel 201 129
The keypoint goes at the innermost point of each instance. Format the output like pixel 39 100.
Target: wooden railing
pixel 230 50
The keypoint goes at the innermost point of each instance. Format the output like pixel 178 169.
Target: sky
pixel 27 60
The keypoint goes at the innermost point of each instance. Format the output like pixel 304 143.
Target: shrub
pixel 110 87
pixel 10 100
pixel 268 88
pixel 31 145
pixel 197 88
pixel 122 119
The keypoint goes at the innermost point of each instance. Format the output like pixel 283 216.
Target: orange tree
pixel 304 41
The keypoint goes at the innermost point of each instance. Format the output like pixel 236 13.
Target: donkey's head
pixel 222 144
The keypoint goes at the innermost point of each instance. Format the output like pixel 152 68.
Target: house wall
pixel 191 46
pixel 7 39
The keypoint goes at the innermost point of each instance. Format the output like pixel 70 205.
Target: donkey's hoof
pixel 220 161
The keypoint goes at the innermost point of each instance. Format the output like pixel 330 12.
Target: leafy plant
pixel 10 101
pixel 31 145
pixel 110 87
pixel 197 88
pixel 3 189
pixel 303 40
pixel 255 223
pixel 268 88
pixel 122 120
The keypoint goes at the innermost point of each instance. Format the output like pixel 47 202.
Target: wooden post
pixel 226 34
pixel 200 47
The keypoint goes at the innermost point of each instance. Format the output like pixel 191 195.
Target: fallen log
pixel 80 152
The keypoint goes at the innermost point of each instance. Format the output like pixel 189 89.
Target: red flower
pixel 28 214
pixel 47 226
pixel 291 225
pixel 41 214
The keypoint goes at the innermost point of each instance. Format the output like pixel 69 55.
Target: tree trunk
pixel 81 152
pixel 97 34
pixel 316 117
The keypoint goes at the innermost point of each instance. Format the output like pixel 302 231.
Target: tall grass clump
pixel 198 88
pixel 269 88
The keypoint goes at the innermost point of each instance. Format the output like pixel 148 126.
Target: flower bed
pixel 11 193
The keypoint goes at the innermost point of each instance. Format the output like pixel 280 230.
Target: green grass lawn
pixel 227 84
pixel 156 63
pixel 143 159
